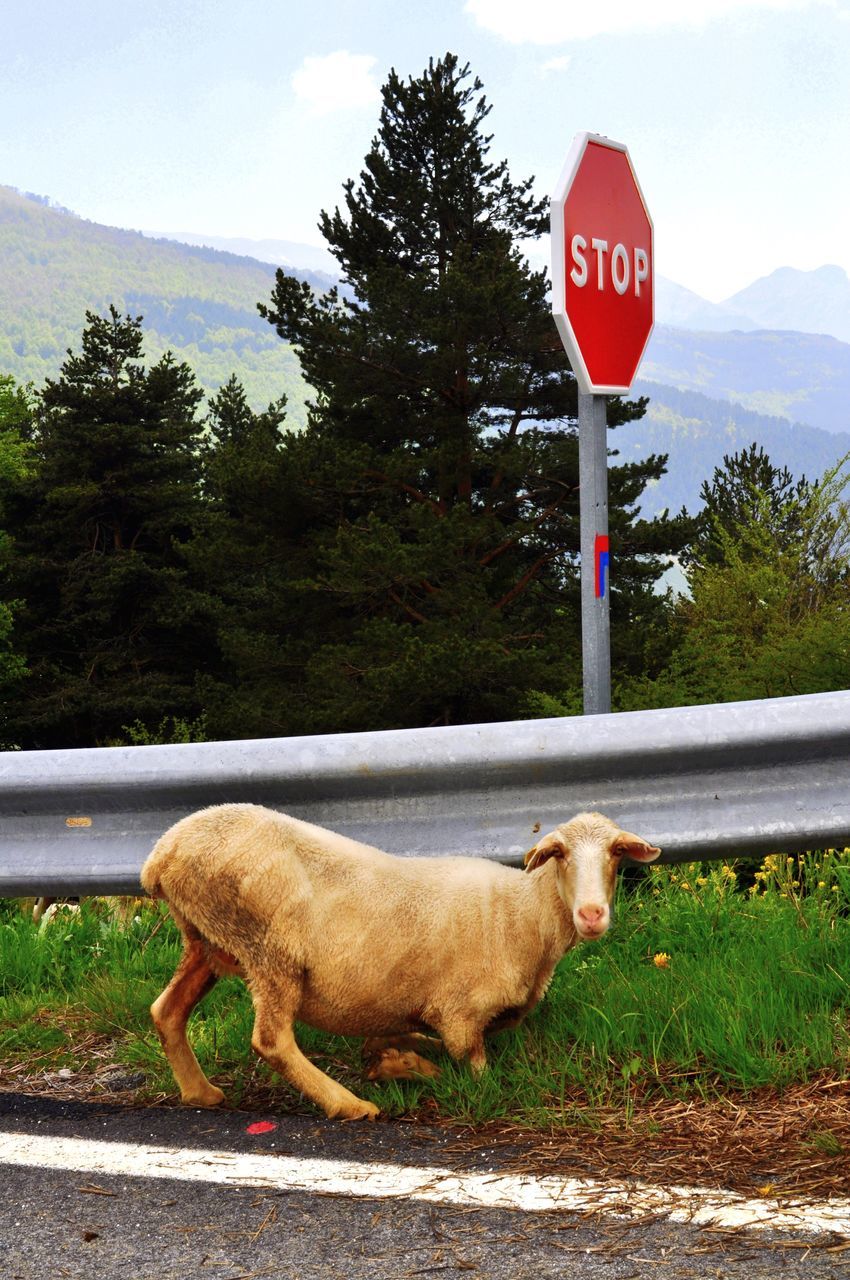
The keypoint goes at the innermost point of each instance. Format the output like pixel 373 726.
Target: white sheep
pixel 354 941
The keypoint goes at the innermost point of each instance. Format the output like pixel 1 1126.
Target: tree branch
pixel 439 507
pixel 526 578
pixel 413 613
pixel 511 542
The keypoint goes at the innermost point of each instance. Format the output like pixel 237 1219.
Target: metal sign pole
pixel 593 500
pixel 602 286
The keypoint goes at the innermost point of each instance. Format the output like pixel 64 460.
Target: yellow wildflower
pixel 661 960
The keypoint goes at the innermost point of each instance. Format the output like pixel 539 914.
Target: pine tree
pixel 244 556
pixel 15 461
pixel 748 489
pixel 110 623
pixel 442 440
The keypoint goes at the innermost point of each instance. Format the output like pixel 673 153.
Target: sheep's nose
pixel 592 917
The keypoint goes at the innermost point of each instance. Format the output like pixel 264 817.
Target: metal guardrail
pixel 702 782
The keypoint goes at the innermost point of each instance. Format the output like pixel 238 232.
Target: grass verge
pixel 715 980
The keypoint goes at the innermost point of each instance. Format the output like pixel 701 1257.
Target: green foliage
pixel 16 407
pixel 171 729
pixel 109 621
pixel 747 493
pixel 769 586
pixel 244 555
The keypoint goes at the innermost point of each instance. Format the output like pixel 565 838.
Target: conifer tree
pixel 15 461
pixel 442 439
pixel 110 623
pixel 748 489
pixel 244 556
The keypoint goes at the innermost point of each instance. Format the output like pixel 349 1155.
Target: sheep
pixel 354 941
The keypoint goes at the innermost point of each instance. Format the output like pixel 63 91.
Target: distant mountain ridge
pixel 681 308
pixel 805 301
pixel 282 253
pixel 815 302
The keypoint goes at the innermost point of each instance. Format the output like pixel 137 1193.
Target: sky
pixel 245 117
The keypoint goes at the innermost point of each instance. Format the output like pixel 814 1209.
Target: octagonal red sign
pixel 603 296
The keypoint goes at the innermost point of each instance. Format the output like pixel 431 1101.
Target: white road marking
pixel 698 1205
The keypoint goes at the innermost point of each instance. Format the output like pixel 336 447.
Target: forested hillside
pixel 201 303
pixel 804 377
pixel 696 432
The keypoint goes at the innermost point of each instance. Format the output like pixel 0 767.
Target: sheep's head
pixel 589 850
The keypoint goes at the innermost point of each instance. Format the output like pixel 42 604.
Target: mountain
pixel 807 301
pixel 201 303
pixel 681 308
pixel 804 301
pixel 283 253
pixel 803 377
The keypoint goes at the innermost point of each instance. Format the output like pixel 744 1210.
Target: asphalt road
pixel 140 1224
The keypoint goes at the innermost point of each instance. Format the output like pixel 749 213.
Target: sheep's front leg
pixel 465 1040
pixel 170 1013
pixel 274 1040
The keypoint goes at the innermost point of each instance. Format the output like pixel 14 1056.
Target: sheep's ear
pixel 627 845
pixel 551 846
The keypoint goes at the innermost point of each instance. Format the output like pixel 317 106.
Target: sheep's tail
pixel 150 873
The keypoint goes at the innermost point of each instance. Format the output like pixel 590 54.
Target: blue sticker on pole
pixel 601 557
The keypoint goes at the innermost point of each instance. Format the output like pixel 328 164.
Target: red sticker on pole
pixel 601 560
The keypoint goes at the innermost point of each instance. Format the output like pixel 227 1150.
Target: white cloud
pixel 557 64
pixel 554 21
pixel 337 82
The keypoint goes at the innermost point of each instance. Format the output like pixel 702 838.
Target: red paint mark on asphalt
pixel 261 1126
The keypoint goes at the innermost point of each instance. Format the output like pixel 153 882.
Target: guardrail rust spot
pixel 78 822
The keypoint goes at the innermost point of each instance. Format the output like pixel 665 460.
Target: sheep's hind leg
pixel 398 1057
pixel 170 1013
pixel 274 1040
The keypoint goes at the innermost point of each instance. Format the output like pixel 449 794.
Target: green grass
pixel 713 980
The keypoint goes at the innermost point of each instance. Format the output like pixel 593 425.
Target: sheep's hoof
pixel 209 1097
pixel 357 1109
pixel 397 1064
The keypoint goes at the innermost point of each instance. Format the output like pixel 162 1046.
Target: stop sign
pixel 602 265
